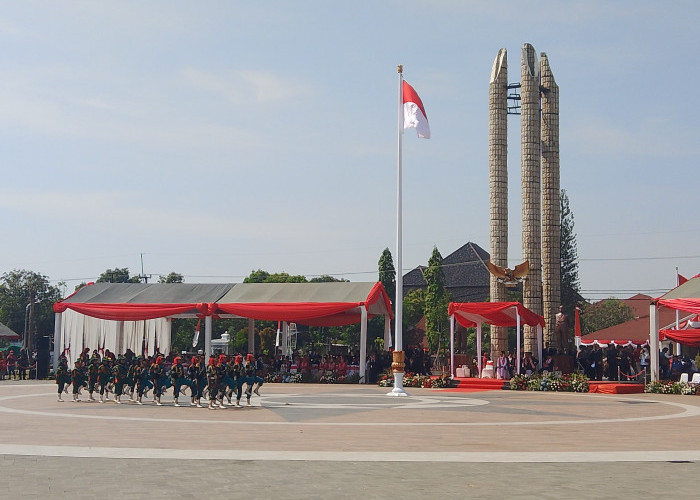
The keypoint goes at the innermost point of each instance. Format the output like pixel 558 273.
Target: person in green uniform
pixel 92 373
pixel 76 377
pixel 177 378
pixel 119 376
pixel 104 374
pixel 251 377
pixel 212 379
pixel 62 376
pixel 156 374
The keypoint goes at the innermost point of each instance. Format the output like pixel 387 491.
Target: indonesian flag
pixel 414 113
pixel 577 323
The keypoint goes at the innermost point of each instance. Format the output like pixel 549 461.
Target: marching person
pixel 251 377
pixel 63 377
pixel 76 379
pixel 237 373
pixel 224 382
pixel 104 373
pixel 92 372
pixel 212 378
pixel 177 377
pixel 155 373
pixel 119 375
pixel 142 379
pixel 193 375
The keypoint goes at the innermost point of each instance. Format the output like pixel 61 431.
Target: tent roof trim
pixel 326 304
pixel 468 314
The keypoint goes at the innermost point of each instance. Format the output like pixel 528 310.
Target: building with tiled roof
pixel 466 275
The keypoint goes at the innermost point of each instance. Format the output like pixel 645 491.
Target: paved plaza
pixel 343 441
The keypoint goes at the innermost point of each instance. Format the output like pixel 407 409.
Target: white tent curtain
pixel 79 331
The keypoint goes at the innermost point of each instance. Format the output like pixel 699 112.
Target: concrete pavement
pixel 342 441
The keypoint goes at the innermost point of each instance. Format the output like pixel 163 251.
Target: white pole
pixel 478 349
pixel 251 335
pixel 678 322
pixel 539 345
pixel 398 306
pixel 654 341
pixel 452 345
pixel 207 338
pixel 57 344
pixel 517 326
pixel 387 332
pixel 398 389
pixel 363 342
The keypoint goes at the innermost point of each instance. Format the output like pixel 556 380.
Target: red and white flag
pixel 414 113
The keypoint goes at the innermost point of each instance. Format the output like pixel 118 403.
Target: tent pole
pixel 387 332
pixel 452 346
pixel 251 335
pixel 517 330
pixel 654 341
pixel 58 318
pixel 363 342
pixel 539 345
pixel 478 349
pixel 207 338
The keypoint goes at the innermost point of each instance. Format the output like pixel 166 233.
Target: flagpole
pixel 678 319
pixel 398 355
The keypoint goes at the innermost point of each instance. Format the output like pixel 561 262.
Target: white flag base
pixel 398 389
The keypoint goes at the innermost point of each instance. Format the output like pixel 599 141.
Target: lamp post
pixel 25 340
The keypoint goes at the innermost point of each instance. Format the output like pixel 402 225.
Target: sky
pixel 215 138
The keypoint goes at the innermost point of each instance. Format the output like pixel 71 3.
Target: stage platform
pixel 468 384
pixel 612 387
pixel 472 384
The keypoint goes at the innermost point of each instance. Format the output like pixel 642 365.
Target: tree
pixel 436 302
pixel 605 313
pixel 117 275
pixel 387 275
pixel 261 276
pixel 171 278
pixel 26 303
pixel 570 287
pixel 413 312
pixel 267 336
pixel 327 279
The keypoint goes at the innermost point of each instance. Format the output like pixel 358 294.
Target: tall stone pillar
pixel 498 184
pixel 551 205
pixel 531 195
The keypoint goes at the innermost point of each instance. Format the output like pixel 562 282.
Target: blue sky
pixel 216 138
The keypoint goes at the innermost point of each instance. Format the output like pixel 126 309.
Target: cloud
pixel 245 86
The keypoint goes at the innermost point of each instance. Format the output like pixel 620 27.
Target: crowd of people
pixel 218 379
pixel 15 366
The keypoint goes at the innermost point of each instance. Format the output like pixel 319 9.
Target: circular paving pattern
pixel 356 423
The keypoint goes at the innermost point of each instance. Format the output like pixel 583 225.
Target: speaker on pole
pixel 43 348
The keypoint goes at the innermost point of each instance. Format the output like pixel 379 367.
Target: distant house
pixel 7 334
pixel 466 275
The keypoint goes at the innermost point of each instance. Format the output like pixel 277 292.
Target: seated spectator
pixel 529 364
pixel 548 364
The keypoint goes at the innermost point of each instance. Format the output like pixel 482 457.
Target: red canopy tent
pixel 473 314
pixel 685 297
pixel 316 304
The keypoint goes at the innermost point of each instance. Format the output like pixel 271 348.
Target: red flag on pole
pixel 414 113
pixel 577 323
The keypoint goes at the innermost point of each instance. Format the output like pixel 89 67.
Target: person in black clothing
pixel 612 359
pixel 596 360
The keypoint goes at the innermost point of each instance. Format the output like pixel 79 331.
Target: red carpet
pixel 615 387
pixel 478 384
pixel 489 384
